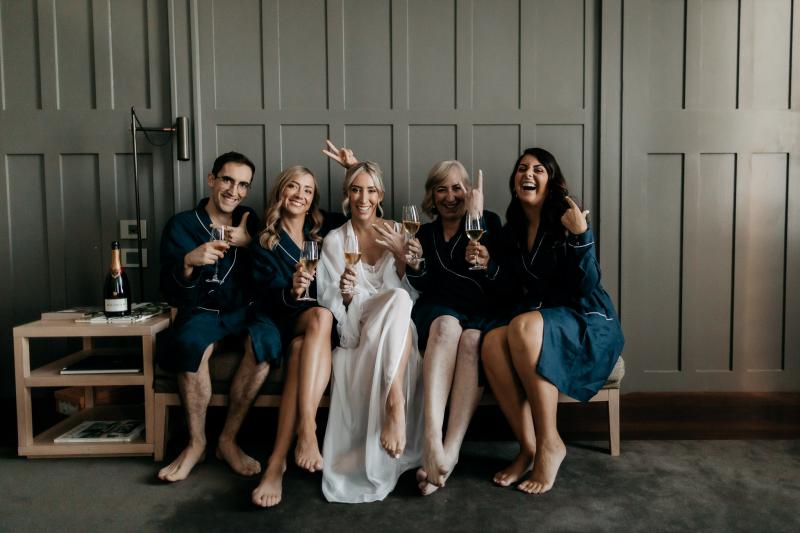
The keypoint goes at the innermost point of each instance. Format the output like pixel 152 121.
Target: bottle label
pixel 115 305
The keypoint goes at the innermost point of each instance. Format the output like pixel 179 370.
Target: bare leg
pixel 511 397
pixel 245 386
pixel 270 488
pixel 525 340
pixel 464 397
pixel 195 390
pixel 438 368
pixel 393 433
pixel 315 372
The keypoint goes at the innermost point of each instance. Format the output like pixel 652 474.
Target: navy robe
pixel 560 277
pixel 208 312
pixel 447 285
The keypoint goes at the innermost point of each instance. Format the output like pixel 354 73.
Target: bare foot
pixel 306 452
pixel 240 462
pixel 180 468
pixel 269 489
pixel 444 466
pixel 393 434
pixel 549 455
pixel 517 469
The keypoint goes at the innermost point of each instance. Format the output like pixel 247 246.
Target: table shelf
pixel 49 375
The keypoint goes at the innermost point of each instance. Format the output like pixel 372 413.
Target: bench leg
pixel 613 421
pixel 159 440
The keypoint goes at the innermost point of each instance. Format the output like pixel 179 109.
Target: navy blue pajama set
pixel 209 312
pixel 560 277
pixel 447 285
pixel 273 271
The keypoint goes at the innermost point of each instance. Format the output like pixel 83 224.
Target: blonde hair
pixel 437 174
pixel 374 171
pixel 270 235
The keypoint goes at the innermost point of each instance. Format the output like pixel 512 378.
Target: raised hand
pixel 393 239
pixel 301 280
pixel 573 219
pixel 475 196
pixel 238 235
pixel 343 156
pixel 207 253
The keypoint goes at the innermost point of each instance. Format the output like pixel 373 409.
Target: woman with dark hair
pixel 563 334
pixel 293 217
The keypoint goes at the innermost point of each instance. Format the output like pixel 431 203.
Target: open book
pixel 103 431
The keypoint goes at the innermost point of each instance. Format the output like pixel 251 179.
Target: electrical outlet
pixel 127 229
pixel 130 257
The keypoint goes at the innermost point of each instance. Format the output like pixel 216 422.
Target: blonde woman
pixel 305 328
pixel 374 423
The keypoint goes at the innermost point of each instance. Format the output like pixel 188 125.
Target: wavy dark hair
pixel 554 204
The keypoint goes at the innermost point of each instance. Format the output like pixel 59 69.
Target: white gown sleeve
pixel 329 272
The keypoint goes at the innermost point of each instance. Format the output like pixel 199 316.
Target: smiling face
pixel 449 197
pixel 530 181
pixel 297 195
pixel 229 187
pixel 364 197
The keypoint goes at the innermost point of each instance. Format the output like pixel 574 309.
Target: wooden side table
pixel 42 445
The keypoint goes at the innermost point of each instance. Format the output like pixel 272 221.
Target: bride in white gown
pixel 374 431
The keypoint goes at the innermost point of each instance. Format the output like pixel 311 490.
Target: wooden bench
pixel 224 362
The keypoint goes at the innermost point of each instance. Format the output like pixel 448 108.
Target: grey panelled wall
pixel 675 121
pixel 405 82
pixel 710 197
pixel 69 72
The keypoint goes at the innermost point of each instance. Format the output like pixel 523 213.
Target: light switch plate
pixel 130 257
pixel 127 229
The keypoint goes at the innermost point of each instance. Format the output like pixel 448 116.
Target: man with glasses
pixel 209 281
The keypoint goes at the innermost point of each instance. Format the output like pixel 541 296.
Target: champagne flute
pixel 352 255
pixel 474 228
pixel 308 260
pixel 411 223
pixel 218 233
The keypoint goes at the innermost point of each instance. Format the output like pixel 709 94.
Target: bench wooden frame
pixel 165 400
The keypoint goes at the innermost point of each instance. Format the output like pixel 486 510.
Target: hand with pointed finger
pixel 346 284
pixel 474 201
pixel 343 156
pixel 238 235
pixel 573 219
pixel 300 281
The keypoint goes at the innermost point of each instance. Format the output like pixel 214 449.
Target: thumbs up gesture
pixel 238 235
pixel 475 196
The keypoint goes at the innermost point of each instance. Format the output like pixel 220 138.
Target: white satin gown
pixel 373 332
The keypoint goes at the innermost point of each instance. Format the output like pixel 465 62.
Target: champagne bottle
pixel 117 288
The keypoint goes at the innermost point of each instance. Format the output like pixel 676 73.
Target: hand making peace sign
pixel 343 156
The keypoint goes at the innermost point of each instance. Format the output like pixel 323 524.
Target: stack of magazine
pixel 103 431
pixel 94 315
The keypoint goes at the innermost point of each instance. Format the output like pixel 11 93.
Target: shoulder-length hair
pixel 554 204
pixel 374 171
pixel 437 174
pixel 270 235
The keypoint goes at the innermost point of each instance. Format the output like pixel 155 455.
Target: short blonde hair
pixel 374 171
pixel 437 174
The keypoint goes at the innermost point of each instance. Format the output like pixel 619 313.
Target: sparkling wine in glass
pixel 411 223
pixel 352 255
pixel 308 260
pixel 474 229
pixel 218 233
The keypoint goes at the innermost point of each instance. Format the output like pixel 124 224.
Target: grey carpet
pixel 652 486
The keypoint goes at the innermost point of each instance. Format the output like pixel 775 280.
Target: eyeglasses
pixel 243 187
